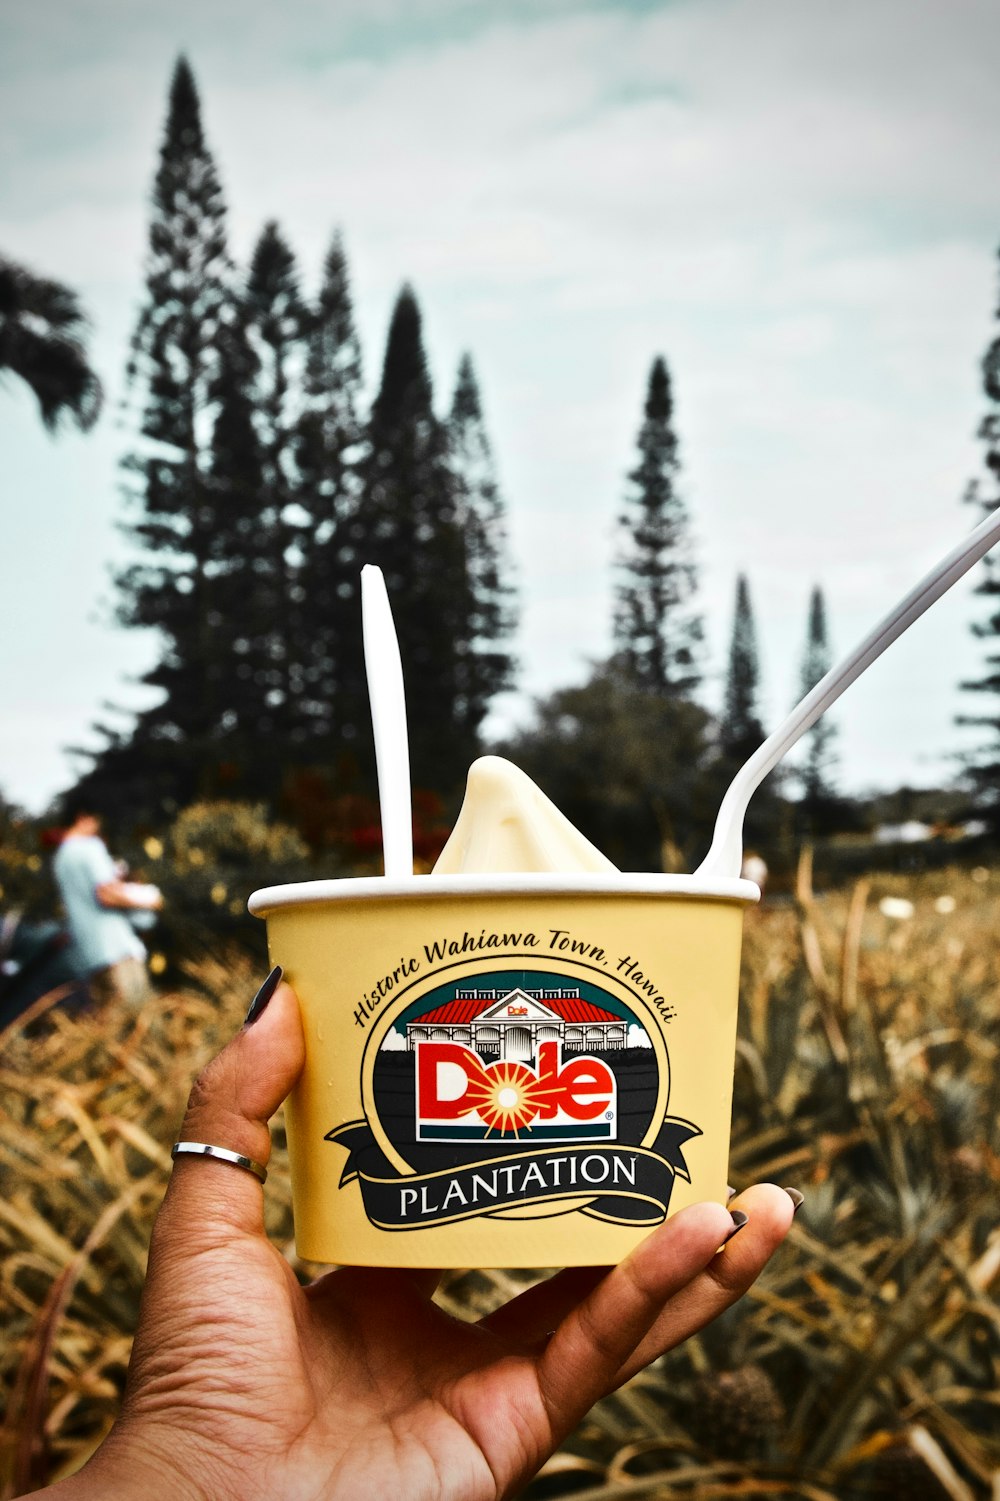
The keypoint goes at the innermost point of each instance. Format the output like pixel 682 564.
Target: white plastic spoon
pixel 725 856
pixel 388 705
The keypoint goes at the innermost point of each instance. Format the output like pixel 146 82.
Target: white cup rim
pixel 377 888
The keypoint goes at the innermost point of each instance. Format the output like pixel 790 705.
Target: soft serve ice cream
pixel 523 1059
pixel 508 824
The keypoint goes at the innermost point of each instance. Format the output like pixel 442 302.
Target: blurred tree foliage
pixel 232 835
pixel 657 632
pixel 246 579
pixel 276 319
pixel 214 854
pixel 627 766
pixel 741 731
pixel 179 585
pixel 330 442
pixel 42 331
pixel 984 764
pixel 740 728
pixel 485 668
pixel 819 807
pixel 421 520
pixel 26 885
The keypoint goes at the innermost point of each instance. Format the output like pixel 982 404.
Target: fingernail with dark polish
pixel 263 995
pixel 739 1219
pixel 796 1199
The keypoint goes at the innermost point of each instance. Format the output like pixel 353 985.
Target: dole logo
pixel 459 1097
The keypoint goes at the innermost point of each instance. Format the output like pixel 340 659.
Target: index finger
pixel 588 1349
pixel 667 1290
pixel 724 1279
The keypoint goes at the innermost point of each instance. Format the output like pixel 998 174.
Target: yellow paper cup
pixel 506 1071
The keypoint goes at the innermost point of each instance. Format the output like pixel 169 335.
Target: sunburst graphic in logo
pixel 507 1098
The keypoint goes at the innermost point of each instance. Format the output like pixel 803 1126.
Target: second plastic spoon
pixel 725 856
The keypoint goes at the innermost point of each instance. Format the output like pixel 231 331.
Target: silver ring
pixel 203 1149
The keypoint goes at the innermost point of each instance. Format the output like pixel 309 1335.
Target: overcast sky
pixel 796 203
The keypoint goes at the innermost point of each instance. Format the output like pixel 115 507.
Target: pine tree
pixel 407 524
pixel 487 668
pixel 328 454
pixel 741 730
pixel 244 586
pixel 276 324
pixel 173 373
pixel 657 634
pixel 984 765
pixel 816 770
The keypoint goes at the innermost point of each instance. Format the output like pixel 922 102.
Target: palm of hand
pixel 358 1385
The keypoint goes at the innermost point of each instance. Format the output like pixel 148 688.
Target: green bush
pixel 210 860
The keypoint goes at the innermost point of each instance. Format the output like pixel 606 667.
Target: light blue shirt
pixel 102 935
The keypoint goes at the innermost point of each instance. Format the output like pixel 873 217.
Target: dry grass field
pixel 865 1364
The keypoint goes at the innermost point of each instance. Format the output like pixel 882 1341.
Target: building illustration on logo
pixel 511 1025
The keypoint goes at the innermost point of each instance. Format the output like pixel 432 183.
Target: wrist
pixel 123 1468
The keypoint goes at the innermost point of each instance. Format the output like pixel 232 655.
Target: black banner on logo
pixel 628 1185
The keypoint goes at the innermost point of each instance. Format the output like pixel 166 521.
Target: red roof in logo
pixel 571 1009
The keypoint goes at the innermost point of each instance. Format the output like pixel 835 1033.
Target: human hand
pixel 134 896
pixel 245 1385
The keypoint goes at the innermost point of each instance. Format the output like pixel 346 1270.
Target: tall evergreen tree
pixel 740 730
pixel 487 667
pixel 328 454
pixel 173 373
pixel 407 523
pixel 657 633
pixel 817 767
pixel 984 764
pixel 242 566
pixel 276 324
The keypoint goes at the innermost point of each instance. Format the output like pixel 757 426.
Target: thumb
pixel 231 1102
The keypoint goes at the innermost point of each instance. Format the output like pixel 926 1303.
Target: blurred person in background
pixel 98 903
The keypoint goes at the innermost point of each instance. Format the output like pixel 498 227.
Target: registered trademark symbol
pixel 607 1115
